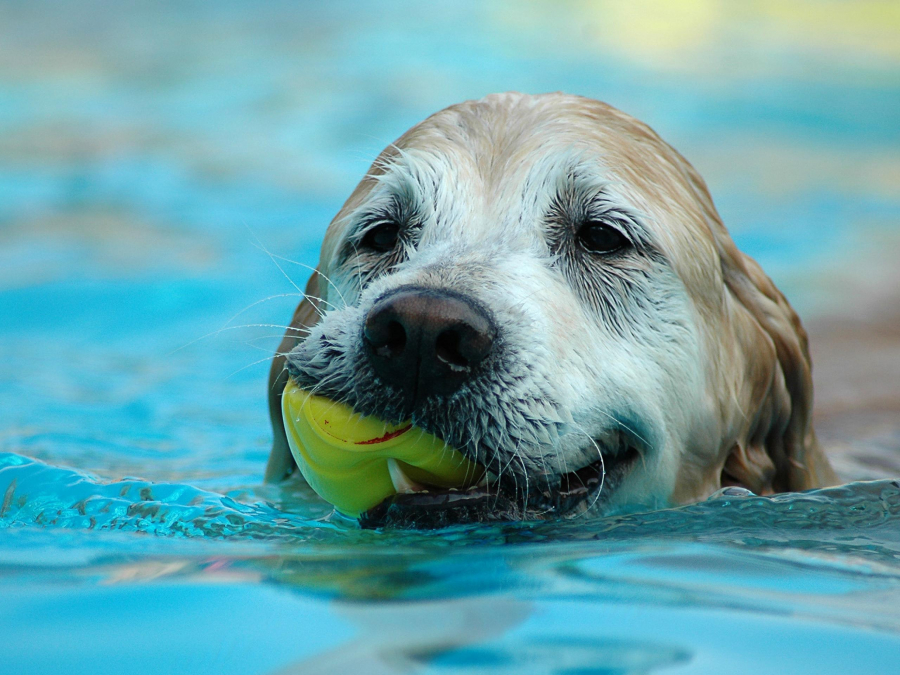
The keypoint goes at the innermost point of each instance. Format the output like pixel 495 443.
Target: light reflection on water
pixel 149 154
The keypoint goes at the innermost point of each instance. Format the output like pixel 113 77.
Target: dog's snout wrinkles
pixel 424 342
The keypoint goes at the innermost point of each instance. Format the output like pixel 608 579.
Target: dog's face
pixel 545 284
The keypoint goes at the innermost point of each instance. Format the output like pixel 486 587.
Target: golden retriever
pixel 545 284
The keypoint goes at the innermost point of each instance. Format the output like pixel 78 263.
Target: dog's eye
pixel 598 237
pixel 382 237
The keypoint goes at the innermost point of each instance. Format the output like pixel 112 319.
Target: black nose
pixel 424 342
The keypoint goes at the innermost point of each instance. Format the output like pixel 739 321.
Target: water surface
pixel 154 159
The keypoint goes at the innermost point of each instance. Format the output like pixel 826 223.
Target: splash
pixel 863 517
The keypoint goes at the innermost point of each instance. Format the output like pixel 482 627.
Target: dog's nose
pixel 425 342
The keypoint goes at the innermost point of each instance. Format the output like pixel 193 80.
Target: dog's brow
pixel 577 199
pixel 400 206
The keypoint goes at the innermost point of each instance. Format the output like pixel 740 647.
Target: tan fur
pixel 281 464
pixel 773 447
pixel 759 374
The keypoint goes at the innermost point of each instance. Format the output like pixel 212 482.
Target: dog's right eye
pixel 598 237
pixel 382 237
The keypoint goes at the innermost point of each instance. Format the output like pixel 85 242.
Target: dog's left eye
pixel 598 237
pixel 381 237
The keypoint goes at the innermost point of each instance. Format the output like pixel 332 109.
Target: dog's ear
pixel 281 464
pixel 776 448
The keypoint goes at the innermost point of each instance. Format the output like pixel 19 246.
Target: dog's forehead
pixel 498 143
pixel 500 153
pixel 502 138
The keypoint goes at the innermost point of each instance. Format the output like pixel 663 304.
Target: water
pixel 232 584
pixel 151 157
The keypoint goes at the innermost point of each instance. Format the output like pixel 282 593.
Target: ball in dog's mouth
pixel 506 498
pixel 400 476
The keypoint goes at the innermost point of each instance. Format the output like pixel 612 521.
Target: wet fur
pixel 683 348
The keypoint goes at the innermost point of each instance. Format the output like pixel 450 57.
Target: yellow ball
pixel 349 459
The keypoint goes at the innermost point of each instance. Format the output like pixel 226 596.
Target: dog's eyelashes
pixel 382 237
pixel 597 237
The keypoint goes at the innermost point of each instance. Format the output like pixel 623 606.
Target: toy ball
pixel 355 462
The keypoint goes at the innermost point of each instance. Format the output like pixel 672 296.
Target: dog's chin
pixel 510 498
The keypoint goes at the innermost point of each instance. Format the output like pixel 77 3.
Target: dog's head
pixel 545 284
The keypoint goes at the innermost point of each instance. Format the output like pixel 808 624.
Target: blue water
pixel 153 156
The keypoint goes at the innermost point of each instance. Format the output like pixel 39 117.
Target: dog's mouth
pixel 505 498
pixel 511 495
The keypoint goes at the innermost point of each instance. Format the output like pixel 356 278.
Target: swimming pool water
pixel 156 166
pixel 793 583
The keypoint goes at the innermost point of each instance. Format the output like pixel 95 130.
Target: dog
pixel 545 284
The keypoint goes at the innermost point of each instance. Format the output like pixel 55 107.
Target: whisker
pixel 624 426
pixel 231 328
pixel 275 256
pixel 259 302
pixel 525 476
pixel 602 468
pixel 263 248
pixel 499 475
pixel 272 336
pixel 249 365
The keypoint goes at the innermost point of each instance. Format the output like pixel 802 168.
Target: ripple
pixel 860 518
pixel 37 494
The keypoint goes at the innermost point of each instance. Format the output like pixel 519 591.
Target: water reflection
pixel 402 637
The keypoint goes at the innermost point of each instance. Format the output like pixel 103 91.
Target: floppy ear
pixel 776 449
pixel 281 464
